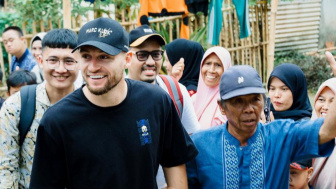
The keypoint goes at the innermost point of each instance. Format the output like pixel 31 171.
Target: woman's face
pixel 212 70
pixel 36 49
pixel 280 95
pixel 167 64
pixel 323 102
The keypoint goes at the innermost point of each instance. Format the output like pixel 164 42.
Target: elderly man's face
pixel 243 113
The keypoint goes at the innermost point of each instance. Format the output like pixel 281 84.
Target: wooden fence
pixel 297 26
pixel 252 50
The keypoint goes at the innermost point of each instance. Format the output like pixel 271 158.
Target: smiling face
pixel 58 78
pixel 102 72
pixel 212 70
pixel 36 48
pixel 280 95
pixel 145 70
pixel 243 114
pixel 323 102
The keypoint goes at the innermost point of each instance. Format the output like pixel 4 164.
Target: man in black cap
pixel 146 47
pixel 244 153
pixel 113 132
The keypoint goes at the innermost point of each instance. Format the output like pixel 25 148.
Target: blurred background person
pixel 192 53
pixel 15 45
pixel 36 50
pixel 18 79
pixel 287 89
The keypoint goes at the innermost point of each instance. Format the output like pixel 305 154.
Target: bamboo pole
pixel 271 45
pixel 2 66
pixel 170 31
pixel 34 27
pixel 50 25
pixel 42 26
pixel 66 14
pixel 258 34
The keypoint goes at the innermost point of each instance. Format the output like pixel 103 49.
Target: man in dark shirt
pixel 113 132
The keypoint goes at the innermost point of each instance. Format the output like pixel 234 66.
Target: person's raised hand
pixel 331 61
pixel 177 69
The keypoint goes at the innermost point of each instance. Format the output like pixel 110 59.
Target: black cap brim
pixel 100 45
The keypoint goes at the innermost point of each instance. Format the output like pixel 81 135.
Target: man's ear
pixel 129 56
pixel 310 172
pixel 40 61
pixel 222 109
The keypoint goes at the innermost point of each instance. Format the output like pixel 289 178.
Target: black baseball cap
pixel 105 34
pixel 240 80
pixel 138 35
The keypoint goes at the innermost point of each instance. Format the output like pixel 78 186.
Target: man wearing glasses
pixel 15 45
pixel 146 47
pixel 60 69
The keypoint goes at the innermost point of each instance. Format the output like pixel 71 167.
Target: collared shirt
pixel 26 61
pixel 16 163
pixel 263 163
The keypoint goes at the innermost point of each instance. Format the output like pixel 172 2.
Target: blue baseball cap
pixel 105 34
pixel 240 80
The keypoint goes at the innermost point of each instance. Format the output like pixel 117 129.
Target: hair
pixel 15 28
pixel 20 78
pixel 37 38
pixel 60 38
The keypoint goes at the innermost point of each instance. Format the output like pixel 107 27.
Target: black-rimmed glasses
pixel 69 63
pixel 143 55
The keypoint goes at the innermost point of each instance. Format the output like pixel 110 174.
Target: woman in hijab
pixel 287 89
pixel 324 175
pixel 36 50
pixel 215 61
pixel 192 53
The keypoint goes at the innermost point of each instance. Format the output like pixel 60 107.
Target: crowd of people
pixel 104 116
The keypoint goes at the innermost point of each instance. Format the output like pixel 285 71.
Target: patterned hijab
pixel 192 52
pixel 293 77
pixel 206 97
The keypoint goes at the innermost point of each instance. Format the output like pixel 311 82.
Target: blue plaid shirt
pixel 26 61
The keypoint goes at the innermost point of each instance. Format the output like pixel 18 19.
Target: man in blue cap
pixel 244 153
pixel 113 132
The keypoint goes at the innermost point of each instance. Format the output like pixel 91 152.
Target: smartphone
pixel 267 110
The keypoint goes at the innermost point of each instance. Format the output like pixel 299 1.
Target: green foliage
pixel 29 10
pixel 200 36
pixel 316 68
pixel 6 18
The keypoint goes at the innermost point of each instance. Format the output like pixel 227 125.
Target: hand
pixel 177 69
pixel 263 117
pixel 17 68
pixel 331 61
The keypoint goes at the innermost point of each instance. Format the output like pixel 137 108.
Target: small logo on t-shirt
pixel 144 132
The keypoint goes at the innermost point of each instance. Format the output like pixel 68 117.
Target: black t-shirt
pixel 81 145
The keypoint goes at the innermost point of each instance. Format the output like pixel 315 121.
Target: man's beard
pixel 111 83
